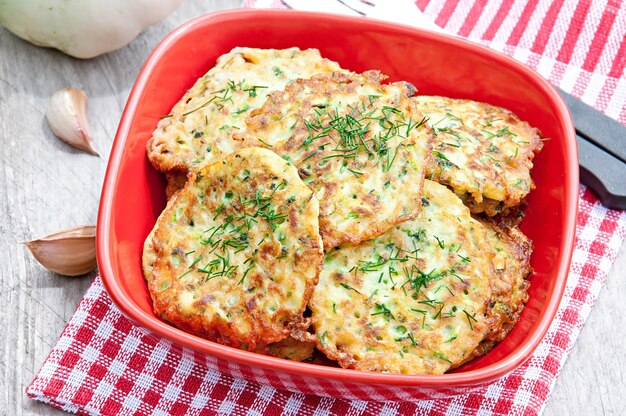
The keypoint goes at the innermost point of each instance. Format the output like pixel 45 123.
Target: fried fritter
pixel 200 126
pixel 236 253
pixel 149 255
pixel 483 152
pixel 290 349
pixel 175 182
pixel 510 287
pixel 411 301
pixel 360 145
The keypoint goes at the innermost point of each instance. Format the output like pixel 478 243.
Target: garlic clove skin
pixel 70 252
pixel 67 117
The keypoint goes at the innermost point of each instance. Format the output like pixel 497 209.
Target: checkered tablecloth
pixel 103 364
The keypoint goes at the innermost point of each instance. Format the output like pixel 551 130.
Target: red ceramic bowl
pixel 133 193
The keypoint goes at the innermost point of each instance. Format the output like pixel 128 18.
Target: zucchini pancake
pixel 360 145
pixel 512 250
pixel 483 152
pixel 236 253
pixel 200 126
pixel 317 214
pixel 411 301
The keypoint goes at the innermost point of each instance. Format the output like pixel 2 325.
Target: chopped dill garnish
pixel 196 261
pixel 470 318
pixel 264 142
pixel 441 356
pixel 371 296
pixel 202 106
pixel 347 286
pixel 322 338
pixel 382 309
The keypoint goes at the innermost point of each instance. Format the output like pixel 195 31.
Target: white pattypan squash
pixel 82 28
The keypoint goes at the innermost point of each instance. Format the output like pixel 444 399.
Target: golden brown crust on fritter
pixel 360 145
pixel 411 301
pixel 149 255
pixel 510 287
pixel 175 182
pixel 512 265
pixel 236 253
pixel 483 152
pixel 200 126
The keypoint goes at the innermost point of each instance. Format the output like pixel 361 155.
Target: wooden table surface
pixel 45 186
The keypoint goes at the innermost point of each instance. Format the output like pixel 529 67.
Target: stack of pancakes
pixel 314 208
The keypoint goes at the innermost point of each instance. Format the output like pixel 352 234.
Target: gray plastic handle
pixel 601 152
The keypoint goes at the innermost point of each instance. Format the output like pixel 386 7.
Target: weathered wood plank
pixel 45 185
pixel 593 380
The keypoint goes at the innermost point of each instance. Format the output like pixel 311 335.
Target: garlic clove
pixel 70 252
pixel 67 117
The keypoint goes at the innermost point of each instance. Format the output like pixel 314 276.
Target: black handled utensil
pixel 601 152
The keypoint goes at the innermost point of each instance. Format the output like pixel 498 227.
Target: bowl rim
pixel 471 377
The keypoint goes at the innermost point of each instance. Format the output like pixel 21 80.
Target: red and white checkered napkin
pixel 103 364
pixel 579 45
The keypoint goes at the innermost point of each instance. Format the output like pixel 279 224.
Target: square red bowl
pixel 133 192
